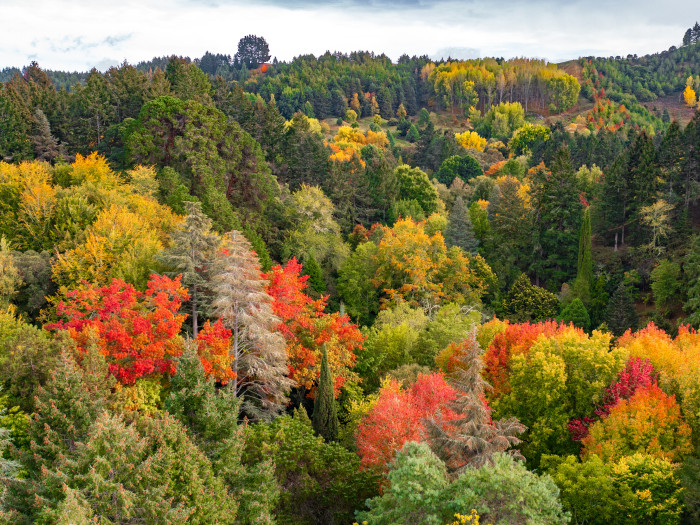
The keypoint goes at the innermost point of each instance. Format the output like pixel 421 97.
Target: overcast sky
pixel 81 34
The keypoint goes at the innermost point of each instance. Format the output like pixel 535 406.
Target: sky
pixel 81 34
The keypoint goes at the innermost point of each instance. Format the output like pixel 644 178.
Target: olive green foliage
pixel 636 489
pixel 466 168
pixel 391 342
pixel 421 493
pixel 500 121
pixel 527 302
pixel 526 137
pixel 414 184
pixel 28 358
pixel 321 482
pixel 403 208
pixel 450 324
pixel 576 313
pixel 665 284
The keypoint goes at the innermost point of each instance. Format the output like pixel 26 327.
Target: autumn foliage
pixel 649 422
pixel 397 417
pixel 307 327
pixel 638 373
pixel 137 332
pixel 516 339
pixel 213 343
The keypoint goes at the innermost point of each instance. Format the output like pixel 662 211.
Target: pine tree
pixel 577 314
pixel 46 146
pixel 193 246
pixel 325 418
pixel 459 231
pixel 258 349
pixel 472 439
pixel 66 409
pixel 211 417
pixel 620 314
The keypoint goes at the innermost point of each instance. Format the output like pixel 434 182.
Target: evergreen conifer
pixel 325 418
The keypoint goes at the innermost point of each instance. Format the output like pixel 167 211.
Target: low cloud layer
pixel 81 34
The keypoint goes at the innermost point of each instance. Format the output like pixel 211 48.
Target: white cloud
pixel 78 35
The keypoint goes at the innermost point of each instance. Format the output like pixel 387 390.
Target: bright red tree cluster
pixel 307 327
pixel 638 373
pixel 397 417
pixel 136 332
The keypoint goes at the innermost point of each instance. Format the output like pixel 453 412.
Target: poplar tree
pixel 193 247
pixel 584 272
pixel 325 418
pixel 258 349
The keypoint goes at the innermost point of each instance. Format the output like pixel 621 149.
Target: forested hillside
pixel 344 289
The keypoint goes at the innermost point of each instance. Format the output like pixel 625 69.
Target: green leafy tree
pixel 665 284
pixel 321 482
pixel 420 492
pixel 636 489
pixel 460 231
pixel 10 277
pixel 450 324
pixel 414 184
pixel 325 417
pixel 466 168
pixel 252 51
pixel 526 137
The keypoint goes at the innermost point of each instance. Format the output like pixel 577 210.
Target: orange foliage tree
pixel 136 332
pixel 677 362
pixel 396 417
pixel 649 422
pixel 306 328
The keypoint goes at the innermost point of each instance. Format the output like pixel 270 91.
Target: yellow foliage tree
pixel 689 96
pixel 471 140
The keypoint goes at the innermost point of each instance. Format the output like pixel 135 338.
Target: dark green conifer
pixel 460 231
pixel 620 314
pixel 577 314
pixel 325 418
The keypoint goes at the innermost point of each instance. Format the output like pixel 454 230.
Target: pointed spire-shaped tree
pixel 473 437
pixel 460 231
pixel 193 247
pixel 46 146
pixel 620 314
pixel 257 348
pixel 325 418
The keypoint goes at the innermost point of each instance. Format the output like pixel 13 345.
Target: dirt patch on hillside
pixel 676 107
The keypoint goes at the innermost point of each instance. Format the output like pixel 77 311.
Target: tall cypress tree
pixel 325 418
